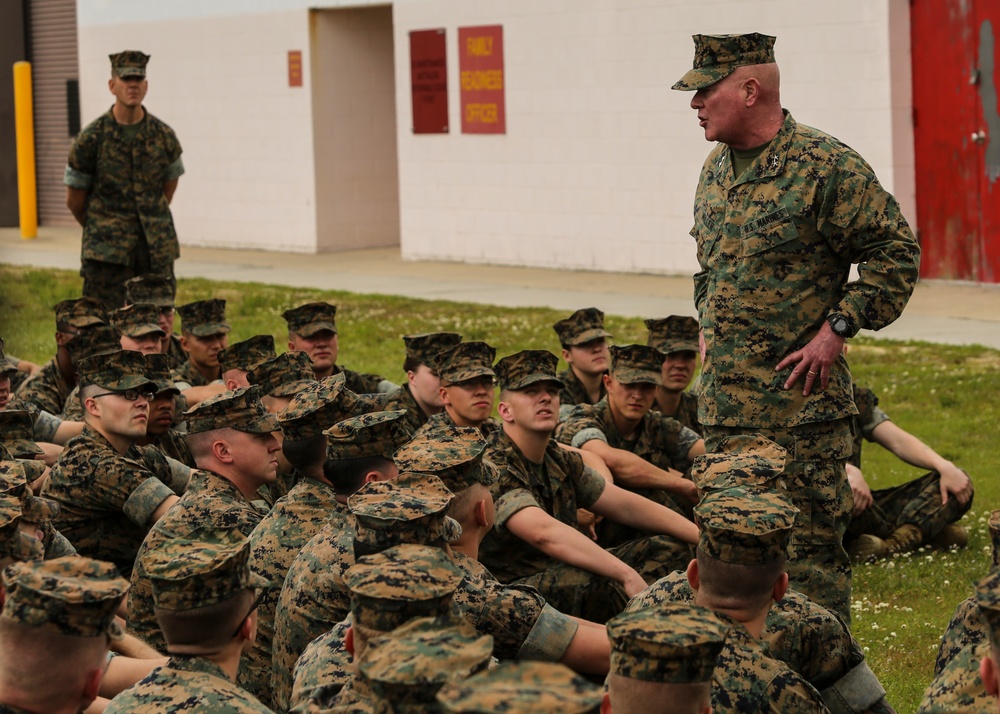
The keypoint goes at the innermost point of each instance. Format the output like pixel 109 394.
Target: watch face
pixel 840 326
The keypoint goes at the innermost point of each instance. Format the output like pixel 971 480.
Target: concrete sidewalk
pixel 943 312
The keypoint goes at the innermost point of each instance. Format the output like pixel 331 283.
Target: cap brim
pixel 635 376
pixel 85 321
pixel 23 446
pixel 140 330
pixel 696 79
pixel 313 327
pixel 212 328
pixel 131 381
pixel 589 336
pixel 261 425
pixel 527 381
pixel 466 374
pixel 292 388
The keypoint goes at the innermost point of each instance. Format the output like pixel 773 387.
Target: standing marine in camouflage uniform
pixel 663 659
pixel 111 491
pixel 676 337
pixel 230 438
pixel 120 178
pixel 467 379
pixel 536 687
pixel 646 451
pixel 537 495
pixel 49 389
pixel 299 515
pixel 158 290
pixel 584 343
pixel 782 211
pixel 901 518
pixel 312 328
pixel 57 623
pixel 421 395
pixel 204 594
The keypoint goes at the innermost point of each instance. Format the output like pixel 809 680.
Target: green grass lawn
pixel 948 396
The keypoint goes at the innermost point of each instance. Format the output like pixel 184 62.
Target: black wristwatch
pixel 841 324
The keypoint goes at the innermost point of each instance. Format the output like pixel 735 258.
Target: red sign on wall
pixel 429 81
pixel 480 52
pixel 295 68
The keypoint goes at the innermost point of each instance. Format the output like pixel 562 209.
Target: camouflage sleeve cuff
pixel 144 501
pixel 589 488
pixel 856 691
pixel 182 386
pixel 175 170
pixel 868 428
pixel 550 637
pixel 46 426
pixel 584 435
pixel 180 474
pixel 77 179
pixel 685 440
pixel 510 503
pixel 387 387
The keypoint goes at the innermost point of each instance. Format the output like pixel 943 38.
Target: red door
pixel 957 137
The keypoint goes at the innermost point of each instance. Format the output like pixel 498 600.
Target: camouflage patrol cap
pixel 72 595
pixel 375 434
pixel 582 326
pixel 676 333
pixel 117 371
pixel 742 460
pixel 130 63
pixel 203 318
pixel 14 544
pixel 158 370
pixel 247 354
pixel 994 528
pixel 716 56
pixel 522 686
pixel 284 376
pixel 636 364
pixel 81 312
pixel 406 667
pixel 239 409
pixel 306 320
pixel 454 454
pixel 15 482
pixel 409 509
pixel 988 600
pixel 423 347
pixel 322 404
pixel 138 319
pixel 210 566
pixel 150 287
pixel 17 432
pixel 464 361
pixel 522 369
pixel 671 643
pixel 34 509
pixel 94 341
pixel 400 583
pixel 742 525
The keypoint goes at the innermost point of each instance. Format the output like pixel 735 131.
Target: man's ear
pixel 694 580
pixel 349 640
pixel 445 399
pixel 184 343
pixel 92 685
pixel 752 91
pixel 480 512
pixel 606 378
pixel 605 704
pixel 221 451
pixel 780 587
pixel 504 411
pixel 988 673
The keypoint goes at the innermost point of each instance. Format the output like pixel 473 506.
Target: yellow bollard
pixel 24 127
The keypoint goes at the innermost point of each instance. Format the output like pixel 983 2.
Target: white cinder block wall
pixel 600 160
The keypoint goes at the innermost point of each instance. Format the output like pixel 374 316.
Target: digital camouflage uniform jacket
pixel 438 422
pixel 775 248
pixel 957 686
pixel 186 373
pixel 125 198
pixel 358 382
pixel 186 684
pixel 687 412
pixel 210 501
pixel 559 486
pixel 274 543
pixel 45 391
pixel 322 671
pixel 107 499
pixel 573 391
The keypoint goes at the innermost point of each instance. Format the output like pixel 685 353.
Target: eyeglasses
pixel 256 603
pixel 130 395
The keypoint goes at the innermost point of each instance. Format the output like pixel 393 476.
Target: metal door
pixel 957 137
